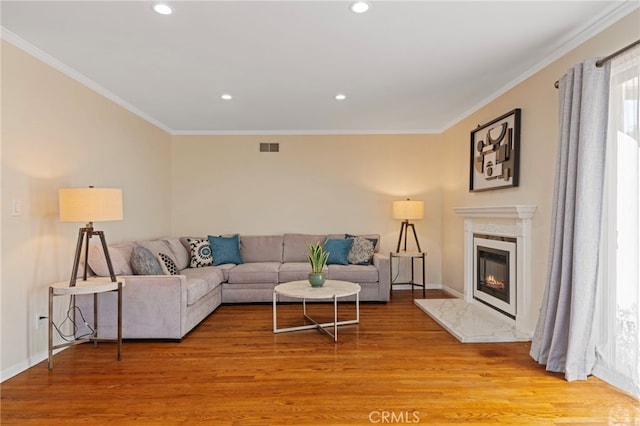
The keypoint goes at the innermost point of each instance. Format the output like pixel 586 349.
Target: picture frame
pixel 495 153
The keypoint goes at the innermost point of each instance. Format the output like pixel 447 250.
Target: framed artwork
pixel 495 153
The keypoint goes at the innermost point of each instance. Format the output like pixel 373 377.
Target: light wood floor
pixel 396 366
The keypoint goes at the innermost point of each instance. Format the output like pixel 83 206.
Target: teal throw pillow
pixel 338 251
pixel 225 250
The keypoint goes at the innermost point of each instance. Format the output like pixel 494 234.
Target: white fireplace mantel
pixel 497 212
pixel 510 221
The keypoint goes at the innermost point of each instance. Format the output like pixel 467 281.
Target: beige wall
pixel 323 184
pixel 58 133
pixel 538 99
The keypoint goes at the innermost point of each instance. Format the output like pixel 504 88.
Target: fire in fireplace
pixel 493 272
pixel 494 260
pixel 493 282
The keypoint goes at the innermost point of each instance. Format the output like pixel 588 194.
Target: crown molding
pixel 300 132
pixel 599 23
pixel 75 75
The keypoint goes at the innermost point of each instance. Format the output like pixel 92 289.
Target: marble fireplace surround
pixel 469 320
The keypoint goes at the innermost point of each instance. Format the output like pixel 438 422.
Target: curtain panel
pixel 564 339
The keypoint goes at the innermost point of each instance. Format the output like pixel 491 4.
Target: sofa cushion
pixel 338 250
pixel 210 273
pixel 168 265
pixel 255 272
pixel 261 248
pixel 201 281
pixel 120 259
pixel 353 273
pixel 225 250
pixel 294 271
pixel 224 269
pixel 296 246
pixel 201 255
pixel 143 262
pixel 362 250
pixel 181 256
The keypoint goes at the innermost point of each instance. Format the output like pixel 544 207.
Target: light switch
pixel 16 207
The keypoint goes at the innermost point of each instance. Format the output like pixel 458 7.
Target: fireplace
pixel 495 272
pixel 503 225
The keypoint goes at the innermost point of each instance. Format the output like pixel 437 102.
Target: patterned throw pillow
pixel 168 266
pixel 361 251
pixel 144 262
pixel 201 254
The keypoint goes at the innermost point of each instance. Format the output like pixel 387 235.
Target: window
pixel 618 345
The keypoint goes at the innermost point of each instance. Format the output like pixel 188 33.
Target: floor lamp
pixel 89 205
pixel 406 210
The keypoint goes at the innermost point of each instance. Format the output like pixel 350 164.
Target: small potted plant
pixel 318 259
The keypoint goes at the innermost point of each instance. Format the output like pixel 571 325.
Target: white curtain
pixel 618 343
pixel 564 339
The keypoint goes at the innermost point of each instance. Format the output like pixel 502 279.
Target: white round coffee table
pixel 332 289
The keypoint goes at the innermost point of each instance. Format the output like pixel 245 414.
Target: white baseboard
pixel 452 292
pixel 16 369
pixel 447 289
pixel 408 287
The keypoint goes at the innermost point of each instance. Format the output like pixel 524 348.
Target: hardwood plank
pixel 396 366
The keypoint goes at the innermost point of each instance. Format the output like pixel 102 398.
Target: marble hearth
pixel 472 321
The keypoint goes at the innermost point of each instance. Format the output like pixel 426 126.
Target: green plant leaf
pixel 317 257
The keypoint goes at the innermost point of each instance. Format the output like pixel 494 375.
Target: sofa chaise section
pixel 153 306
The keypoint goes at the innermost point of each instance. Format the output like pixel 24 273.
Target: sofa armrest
pixel 381 262
pixel 157 305
pixel 152 307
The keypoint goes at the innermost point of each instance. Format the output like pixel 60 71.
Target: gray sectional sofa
pixel 165 306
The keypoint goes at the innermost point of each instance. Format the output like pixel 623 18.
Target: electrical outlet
pixel 40 320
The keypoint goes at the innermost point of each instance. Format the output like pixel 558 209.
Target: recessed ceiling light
pixel 226 96
pixel 341 97
pixel 162 8
pixel 359 7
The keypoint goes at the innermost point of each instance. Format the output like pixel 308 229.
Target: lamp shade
pixel 408 209
pixel 90 204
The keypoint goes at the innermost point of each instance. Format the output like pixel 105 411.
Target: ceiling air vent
pixel 269 147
